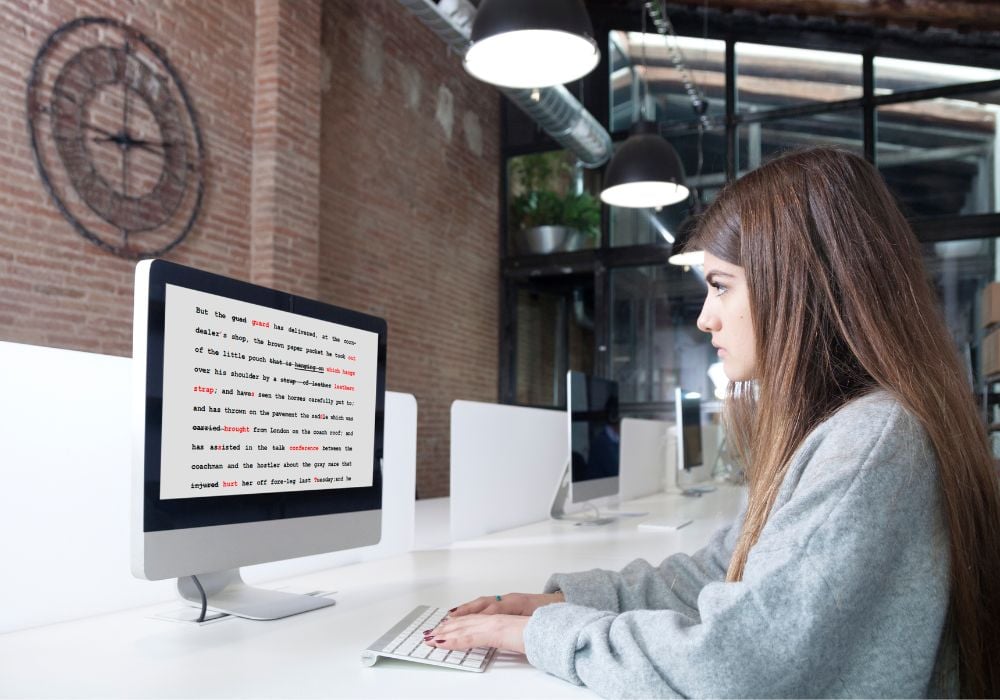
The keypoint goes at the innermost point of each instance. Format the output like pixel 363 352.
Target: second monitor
pixel 594 442
pixel 687 408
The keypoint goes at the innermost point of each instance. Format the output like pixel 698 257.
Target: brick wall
pixel 409 210
pixel 57 289
pixel 284 216
pixel 401 223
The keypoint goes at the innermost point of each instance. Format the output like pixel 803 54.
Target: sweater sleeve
pixel 673 585
pixel 814 595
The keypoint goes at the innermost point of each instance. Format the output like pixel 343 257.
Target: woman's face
pixel 726 315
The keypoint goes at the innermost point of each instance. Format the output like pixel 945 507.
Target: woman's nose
pixel 707 322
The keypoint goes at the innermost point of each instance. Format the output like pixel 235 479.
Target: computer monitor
pixel 258 434
pixel 687 407
pixel 594 436
pixel 594 443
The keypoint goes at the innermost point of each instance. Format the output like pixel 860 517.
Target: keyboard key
pixel 438 654
pixel 410 645
pixel 422 651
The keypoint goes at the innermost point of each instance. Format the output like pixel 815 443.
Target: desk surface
pixel 132 654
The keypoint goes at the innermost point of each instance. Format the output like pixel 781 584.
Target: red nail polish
pixel 428 631
pixel 453 610
pixel 440 641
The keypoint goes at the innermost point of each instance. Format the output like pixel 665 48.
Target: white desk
pixel 130 654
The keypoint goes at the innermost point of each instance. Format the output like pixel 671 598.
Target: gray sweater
pixel 844 595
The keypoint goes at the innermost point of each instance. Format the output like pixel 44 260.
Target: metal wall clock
pixel 115 137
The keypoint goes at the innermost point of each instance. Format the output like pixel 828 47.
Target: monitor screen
pixel 595 441
pixel 256 408
pixel 687 407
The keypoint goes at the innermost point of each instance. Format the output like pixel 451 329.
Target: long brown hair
pixel 841 305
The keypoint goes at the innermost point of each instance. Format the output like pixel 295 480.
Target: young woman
pixel 867 559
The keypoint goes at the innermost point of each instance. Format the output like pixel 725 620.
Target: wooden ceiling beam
pixel 959 14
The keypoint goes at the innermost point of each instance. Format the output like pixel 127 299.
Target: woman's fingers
pixel 472 607
pixel 468 631
pixel 506 604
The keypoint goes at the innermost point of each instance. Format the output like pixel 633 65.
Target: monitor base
pixel 558 509
pixel 227 593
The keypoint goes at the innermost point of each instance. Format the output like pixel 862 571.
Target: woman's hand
pixel 469 631
pixel 506 604
pixel 490 621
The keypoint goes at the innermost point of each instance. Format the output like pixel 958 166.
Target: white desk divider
pixel 399 470
pixel 505 462
pixel 643 457
pixel 64 504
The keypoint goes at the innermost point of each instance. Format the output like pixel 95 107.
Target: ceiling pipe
pixel 554 109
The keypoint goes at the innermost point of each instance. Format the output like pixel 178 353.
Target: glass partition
pixel 959 271
pixel 770 77
pixel 655 345
pixel 940 156
pixel 897 75
pixel 758 141
pixel 667 99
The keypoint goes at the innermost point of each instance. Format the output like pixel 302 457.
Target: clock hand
pixel 99 130
pixel 139 143
pixel 129 142
pixel 150 146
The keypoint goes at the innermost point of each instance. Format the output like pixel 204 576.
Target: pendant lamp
pixel 531 43
pixel 694 258
pixel 679 255
pixel 646 171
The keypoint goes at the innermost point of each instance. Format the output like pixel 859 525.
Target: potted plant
pixel 544 214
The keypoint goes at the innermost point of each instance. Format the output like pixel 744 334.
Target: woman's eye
pixel 719 289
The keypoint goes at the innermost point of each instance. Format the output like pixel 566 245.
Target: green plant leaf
pixel 541 184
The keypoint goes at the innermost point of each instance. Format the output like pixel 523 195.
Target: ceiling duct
pixel 554 109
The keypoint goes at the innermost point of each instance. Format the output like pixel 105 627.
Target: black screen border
pixel 595 414
pixel 182 513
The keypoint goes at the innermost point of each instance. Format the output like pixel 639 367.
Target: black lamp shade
pixel 501 16
pixel 531 43
pixel 645 172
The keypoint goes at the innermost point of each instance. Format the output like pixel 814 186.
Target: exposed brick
pixel 392 217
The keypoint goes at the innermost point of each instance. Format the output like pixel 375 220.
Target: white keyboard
pixel 406 641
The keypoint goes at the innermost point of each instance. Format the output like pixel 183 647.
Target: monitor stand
pixel 227 593
pixel 558 511
pixel 671 483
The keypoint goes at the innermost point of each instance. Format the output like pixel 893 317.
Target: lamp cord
pixel 643 85
pixel 658 13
